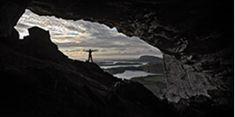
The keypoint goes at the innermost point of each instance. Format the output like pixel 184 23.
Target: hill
pixel 148 58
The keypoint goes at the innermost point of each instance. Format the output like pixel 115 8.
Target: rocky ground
pixel 196 38
pixel 38 80
pixel 155 83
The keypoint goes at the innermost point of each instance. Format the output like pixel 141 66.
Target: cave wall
pixel 10 12
pixel 186 79
pixel 195 36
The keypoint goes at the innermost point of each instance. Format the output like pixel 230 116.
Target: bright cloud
pixel 72 37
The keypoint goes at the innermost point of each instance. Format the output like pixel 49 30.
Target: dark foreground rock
pixel 46 83
pixel 37 80
pixel 196 37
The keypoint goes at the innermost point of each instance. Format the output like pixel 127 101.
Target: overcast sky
pixel 72 37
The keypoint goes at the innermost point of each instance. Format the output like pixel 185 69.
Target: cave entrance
pixel 123 56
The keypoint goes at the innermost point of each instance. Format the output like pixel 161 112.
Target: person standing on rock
pixel 90 55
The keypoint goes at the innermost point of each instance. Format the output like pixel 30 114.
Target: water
pixel 116 66
pixel 128 74
pixel 127 68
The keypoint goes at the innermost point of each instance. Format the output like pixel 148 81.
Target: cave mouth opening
pixel 123 56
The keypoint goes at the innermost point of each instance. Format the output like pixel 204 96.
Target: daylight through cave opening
pixel 39 80
pixel 123 56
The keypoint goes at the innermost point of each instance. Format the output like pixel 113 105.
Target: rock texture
pixel 188 82
pixel 38 80
pixel 197 35
pixel 192 32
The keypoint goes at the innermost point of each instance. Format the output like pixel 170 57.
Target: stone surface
pixel 188 81
pixel 197 35
pixel 192 32
pixel 38 80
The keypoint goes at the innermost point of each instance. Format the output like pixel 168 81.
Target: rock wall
pixel 10 13
pixel 196 35
pixel 183 81
pixel 39 81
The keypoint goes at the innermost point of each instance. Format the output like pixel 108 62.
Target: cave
pixel 127 58
pixel 195 38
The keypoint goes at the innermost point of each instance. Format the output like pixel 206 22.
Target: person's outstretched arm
pixel 85 50
pixel 94 50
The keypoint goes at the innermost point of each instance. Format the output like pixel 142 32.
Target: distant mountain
pixel 152 59
pixel 150 64
pixel 154 64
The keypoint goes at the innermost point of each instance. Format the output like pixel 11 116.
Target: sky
pixel 73 37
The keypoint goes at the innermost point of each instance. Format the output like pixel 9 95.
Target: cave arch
pixel 73 37
pixel 191 35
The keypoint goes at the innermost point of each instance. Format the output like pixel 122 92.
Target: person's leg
pixel 91 59
pixel 88 58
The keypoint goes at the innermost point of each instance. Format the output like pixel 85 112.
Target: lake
pixel 127 69
pixel 128 74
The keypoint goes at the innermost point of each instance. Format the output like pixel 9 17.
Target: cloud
pixel 74 36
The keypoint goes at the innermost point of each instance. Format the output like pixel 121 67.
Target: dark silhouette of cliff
pixel 196 37
pixel 37 80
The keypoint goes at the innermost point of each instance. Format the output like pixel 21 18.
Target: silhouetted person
pixel 90 55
